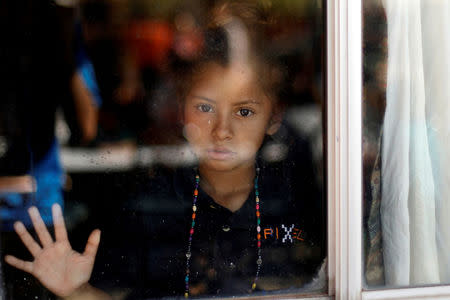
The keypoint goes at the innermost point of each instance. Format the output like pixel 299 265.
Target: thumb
pixel 92 244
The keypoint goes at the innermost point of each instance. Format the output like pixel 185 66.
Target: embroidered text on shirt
pixel 287 234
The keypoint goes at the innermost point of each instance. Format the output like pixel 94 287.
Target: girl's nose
pixel 222 128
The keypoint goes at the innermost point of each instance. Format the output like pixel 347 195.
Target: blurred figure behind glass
pixel 41 70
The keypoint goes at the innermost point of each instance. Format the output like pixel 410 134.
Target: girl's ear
pixel 275 121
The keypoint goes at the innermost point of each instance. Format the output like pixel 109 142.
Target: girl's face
pixel 226 115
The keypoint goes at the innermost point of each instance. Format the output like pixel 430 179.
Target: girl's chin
pixel 218 165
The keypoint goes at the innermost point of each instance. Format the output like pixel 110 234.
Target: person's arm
pixel 56 265
pixel 88 292
pixel 85 107
pixel 17 184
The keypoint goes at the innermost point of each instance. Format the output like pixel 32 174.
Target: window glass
pixel 405 143
pixel 180 142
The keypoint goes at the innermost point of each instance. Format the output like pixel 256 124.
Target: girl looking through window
pixel 232 223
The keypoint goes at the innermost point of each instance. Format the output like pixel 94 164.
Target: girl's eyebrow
pixel 204 98
pixel 250 101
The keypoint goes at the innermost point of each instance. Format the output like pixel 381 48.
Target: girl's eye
pixel 245 112
pixel 205 108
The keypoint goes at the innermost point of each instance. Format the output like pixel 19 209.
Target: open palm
pixel 56 265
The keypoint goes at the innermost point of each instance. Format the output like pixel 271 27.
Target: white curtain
pixel 415 208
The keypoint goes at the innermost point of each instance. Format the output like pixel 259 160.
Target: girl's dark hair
pixel 216 46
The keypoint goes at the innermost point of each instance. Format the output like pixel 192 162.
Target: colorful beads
pixel 258 230
pixel 191 233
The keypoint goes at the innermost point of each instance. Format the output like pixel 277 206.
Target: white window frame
pixel 344 94
pixel 344 127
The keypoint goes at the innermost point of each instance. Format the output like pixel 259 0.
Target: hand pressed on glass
pixel 56 265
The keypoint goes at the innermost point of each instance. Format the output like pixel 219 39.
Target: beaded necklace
pixel 191 233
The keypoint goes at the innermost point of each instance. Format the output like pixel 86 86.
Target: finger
pixel 39 226
pixel 92 244
pixel 26 238
pixel 26 266
pixel 58 222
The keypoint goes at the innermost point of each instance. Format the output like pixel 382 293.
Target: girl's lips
pixel 220 154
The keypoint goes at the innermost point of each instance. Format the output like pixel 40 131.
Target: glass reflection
pixel 204 125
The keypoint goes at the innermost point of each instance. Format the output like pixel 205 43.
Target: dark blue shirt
pixel 224 251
